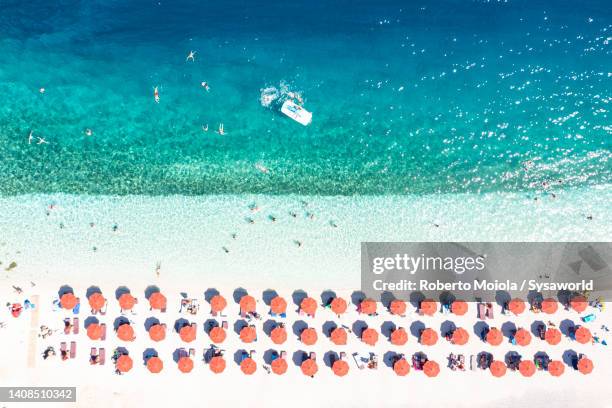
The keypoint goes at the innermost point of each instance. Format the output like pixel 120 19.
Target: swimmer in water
pixel 41 141
pixel 88 132
pixel 205 128
pixel 31 137
pixel 205 86
pixel 156 94
pixel 221 130
pixel 262 168
pixel 191 56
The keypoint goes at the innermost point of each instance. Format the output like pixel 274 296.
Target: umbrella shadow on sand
pixel 268 295
pixel 210 293
pixel 148 353
pixel 299 357
pixel 416 298
pixel 447 327
pixel 502 298
pixel 389 358
pixel 90 320
pixel 150 290
pixel 270 355
pixel 416 328
pixel 297 297
pixel 327 296
pixel 570 357
pixel 269 325
pixel 65 289
pixel 239 355
pixel 238 294
pixel 357 297
pixel 328 327
pixel 508 329
pixel 330 357
pixel 535 327
pixel 121 290
pixel 150 321
pixel 480 328
pixel 566 326
pixel 298 327
pixel 120 321
pixel 91 290
pixel 387 328
pixel 239 325
pixel 358 327
pixel 210 324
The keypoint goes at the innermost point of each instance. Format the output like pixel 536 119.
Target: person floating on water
pixel 205 86
pixel 31 137
pixel 221 130
pixel 88 132
pixel 156 94
pixel 205 127
pixel 41 141
pixel 191 56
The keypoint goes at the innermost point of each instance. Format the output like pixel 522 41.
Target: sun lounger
pixel 103 326
pixel 75 325
pixel 63 350
pixel 357 363
pixel 482 311
pixel 312 355
pixel 224 325
pixel 473 362
pixel 191 352
pixel 283 354
pixel 101 356
pixel 73 350
pixel 253 353
pixel 342 355
pixel 489 312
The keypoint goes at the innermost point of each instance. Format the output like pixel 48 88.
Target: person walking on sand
pixel 191 56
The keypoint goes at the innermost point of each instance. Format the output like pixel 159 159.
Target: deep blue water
pixel 407 97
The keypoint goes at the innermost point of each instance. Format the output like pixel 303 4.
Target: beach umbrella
pixel 429 307
pixel 552 336
pixel 278 335
pixel 397 307
pixel 516 306
pixel 279 366
pixel 94 331
pixel 401 367
pixel 124 363
pixel 308 306
pixel 217 335
pixel 495 337
pixel 369 336
pixel 585 365
pixel 217 364
pixel 549 305
pixel 459 307
pixel 583 335
pixel 338 306
pixel 218 303
pixel 157 301
pixel 278 305
pixel 367 306
pixel 247 304
pixel 157 332
pixel 522 337
pixel 338 336
pixel 429 337
pixel 340 368
pixel 96 301
pixel 127 301
pixel 308 336
pixel 431 368
pixel 68 301
pixel 399 337
pixel 248 334
pixel 460 336
pixel 125 332
pixel 579 303
pixel 185 364
pixel 527 368
pixel 309 367
pixel 248 366
pixel 155 365
pixel 498 368
pixel 556 368
pixel 188 333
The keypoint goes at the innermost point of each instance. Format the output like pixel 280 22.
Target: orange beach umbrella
pixel 308 306
pixel 399 337
pixel 278 305
pixel 185 364
pixel 552 336
pixel 218 303
pixel 516 306
pixel 127 301
pixel 278 335
pixel 248 366
pixel 157 301
pixel 68 301
pixel 188 333
pixel 338 306
pixel 217 335
pixel 428 337
pixel 459 307
pixel 157 332
pixel 279 366
pixel 338 336
pixel 248 334
pixel 549 305
pixel 494 337
pixel 397 307
pixel 367 306
pixel 340 368
pixel 125 332
pixel 124 363
pixel 369 336
pixel 583 335
pixel 527 368
pixel 460 336
pixel 429 307
pixel 522 337
pixel 498 368
pixel 401 367
pixel 579 303
pixel 308 336
pixel 247 304
pixel 431 368
pixel 585 365
pixel 96 301
pixel 309 367
pixel 217 364
pixel 94 331
pixel 556 368
pixel 155 365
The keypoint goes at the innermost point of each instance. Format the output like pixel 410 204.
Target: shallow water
pixel 425 97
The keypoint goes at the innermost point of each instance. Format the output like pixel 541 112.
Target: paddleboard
pixel 296 112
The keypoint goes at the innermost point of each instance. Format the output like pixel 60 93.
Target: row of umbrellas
pixel 338 335
pixel 308 305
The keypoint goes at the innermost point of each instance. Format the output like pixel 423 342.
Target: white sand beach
pixel 51 239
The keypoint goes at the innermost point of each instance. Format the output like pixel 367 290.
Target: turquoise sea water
pixel 407 97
